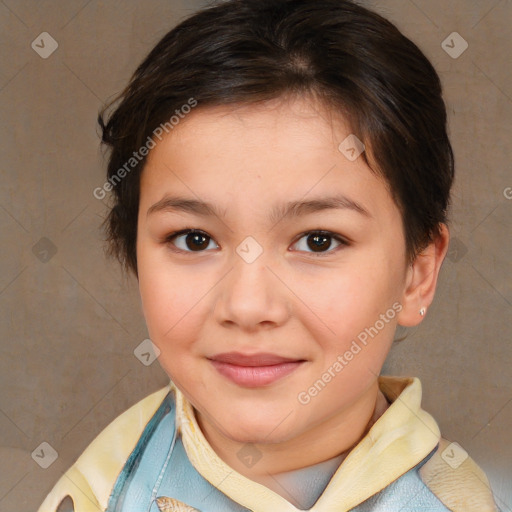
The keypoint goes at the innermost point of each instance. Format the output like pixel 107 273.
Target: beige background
pixel 71 321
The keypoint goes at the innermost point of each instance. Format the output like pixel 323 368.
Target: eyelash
pixel 342 241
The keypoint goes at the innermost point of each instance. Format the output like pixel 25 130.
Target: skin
pixel 290 301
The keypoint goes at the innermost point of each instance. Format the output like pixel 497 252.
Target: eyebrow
pixel 278 212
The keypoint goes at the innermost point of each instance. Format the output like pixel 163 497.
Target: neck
pixel 333 438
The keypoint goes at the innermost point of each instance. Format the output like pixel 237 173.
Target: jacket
pixel 154 458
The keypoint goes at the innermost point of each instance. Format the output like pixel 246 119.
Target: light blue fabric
pixel 407 494
pixel 304 486
pixel 159 466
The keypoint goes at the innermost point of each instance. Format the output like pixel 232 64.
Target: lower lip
pixel 255 376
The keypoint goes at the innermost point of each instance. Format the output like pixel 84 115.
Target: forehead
pixel 246 155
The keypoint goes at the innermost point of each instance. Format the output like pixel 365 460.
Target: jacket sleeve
pixel 91 478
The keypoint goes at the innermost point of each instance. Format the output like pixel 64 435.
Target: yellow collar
pixel 399 440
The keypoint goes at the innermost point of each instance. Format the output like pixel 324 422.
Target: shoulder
pixel 90 479
pixel 456 480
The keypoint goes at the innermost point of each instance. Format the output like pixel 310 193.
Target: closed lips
pixel 256 370
pixel 262 359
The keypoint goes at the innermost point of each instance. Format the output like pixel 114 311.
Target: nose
pixel 252 296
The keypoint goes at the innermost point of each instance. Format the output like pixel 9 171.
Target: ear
pixel 421 279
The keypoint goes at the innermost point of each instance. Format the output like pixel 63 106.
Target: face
pixel 271 268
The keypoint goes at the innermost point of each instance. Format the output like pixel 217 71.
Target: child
pixel 281 173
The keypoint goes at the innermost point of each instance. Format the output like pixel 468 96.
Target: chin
pixel 259 430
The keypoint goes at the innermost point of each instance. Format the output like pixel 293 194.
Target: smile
pixel 254 370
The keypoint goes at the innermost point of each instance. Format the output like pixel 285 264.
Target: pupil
pixel 319 242
pixel 194 239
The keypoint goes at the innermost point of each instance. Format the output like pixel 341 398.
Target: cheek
pixel 173 318
pixel 354 314
pixel 170 300
pixel 344 301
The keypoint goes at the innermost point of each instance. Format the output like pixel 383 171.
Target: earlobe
pixel 421 280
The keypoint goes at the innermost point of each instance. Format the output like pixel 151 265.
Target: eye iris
pixel 197 241
pixel 318 242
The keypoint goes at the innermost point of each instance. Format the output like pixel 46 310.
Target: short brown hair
pixel 246 51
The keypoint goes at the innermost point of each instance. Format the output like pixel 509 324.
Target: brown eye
pixel 190 240
pixel 319 242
